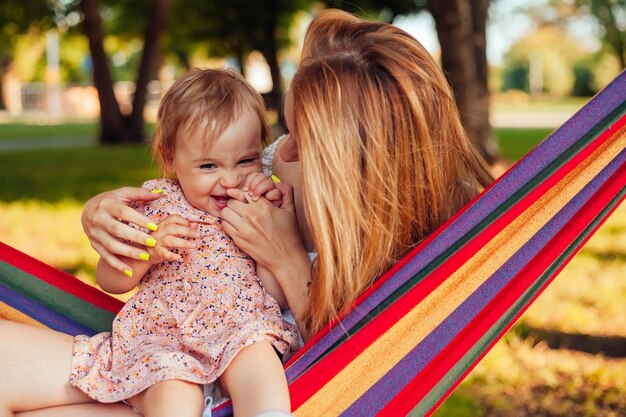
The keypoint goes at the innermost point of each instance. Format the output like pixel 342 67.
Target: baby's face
pixel 206 172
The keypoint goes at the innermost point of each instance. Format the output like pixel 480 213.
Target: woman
pixel 377 158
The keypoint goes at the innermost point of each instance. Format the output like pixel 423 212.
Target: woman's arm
pixel 103 220
pixel 106 218
pixel 270 236
pixel 171 234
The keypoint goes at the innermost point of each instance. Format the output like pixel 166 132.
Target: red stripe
pixel 404 402
pixel 59 279
pixel 316 377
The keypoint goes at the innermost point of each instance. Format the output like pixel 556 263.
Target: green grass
pixel 514 143
pixel 72 173
pixel 521 103
pixel 31 131
pixel 12 131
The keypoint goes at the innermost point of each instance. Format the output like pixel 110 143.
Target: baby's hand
pixel 170 235
pixel 257 185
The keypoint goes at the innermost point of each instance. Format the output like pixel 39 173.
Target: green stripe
pixel 549 170
pixel 64 303
pixel 474 353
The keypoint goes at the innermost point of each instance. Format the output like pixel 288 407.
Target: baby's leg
pixel 36 365
pixel 170 398
pixel 256 382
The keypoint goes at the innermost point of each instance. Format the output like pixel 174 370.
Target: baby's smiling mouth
pixel 220 200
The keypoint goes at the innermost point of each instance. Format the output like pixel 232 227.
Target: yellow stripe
pixel 367 368
pixel 9 313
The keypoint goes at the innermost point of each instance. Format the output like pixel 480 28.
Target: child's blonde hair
pixel 208 99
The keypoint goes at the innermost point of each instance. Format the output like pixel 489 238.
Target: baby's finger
pixel 165 254
pixel 172 241
pixel 261 187
pixel 251 180
pixel 175 219
pixel 237 194
pixel 175 230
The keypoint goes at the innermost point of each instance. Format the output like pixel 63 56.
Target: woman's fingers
pixel 104 219
pixel 275 196
pixel 109 258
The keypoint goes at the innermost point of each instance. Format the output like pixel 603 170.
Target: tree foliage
pixel 611 16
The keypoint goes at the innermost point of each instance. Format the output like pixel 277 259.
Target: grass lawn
pixel 41 197
pixel 31 131
pixel 514 143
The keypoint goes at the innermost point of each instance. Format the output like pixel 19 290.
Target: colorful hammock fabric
pixel 412 337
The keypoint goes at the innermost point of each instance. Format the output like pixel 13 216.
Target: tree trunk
pixel 112 129
pixel 484 131
pixel 148 66
pixel 4 65
pixel 270 52
pixel 460 28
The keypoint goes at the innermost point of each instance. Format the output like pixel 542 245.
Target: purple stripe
pixel 581 123
pixel 425 352
pixel 42 314
pixel 225 411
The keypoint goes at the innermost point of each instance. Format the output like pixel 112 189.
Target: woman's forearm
pixel 294 276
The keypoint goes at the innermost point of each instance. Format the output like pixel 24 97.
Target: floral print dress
pixel 188 319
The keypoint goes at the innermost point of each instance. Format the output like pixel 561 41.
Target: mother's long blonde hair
pixel 384 157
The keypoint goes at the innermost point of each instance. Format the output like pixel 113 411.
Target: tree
pixel 611 16
pixel 114 126
pixel 238 27
pixel 17 18
pixel 461 29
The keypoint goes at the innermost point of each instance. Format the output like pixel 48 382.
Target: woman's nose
pixel 231 179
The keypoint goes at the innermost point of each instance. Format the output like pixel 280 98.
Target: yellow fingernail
pixel 151 242
pixel 152 226
pixel 129 273
pixel 275 178
pixel 144 256
pixel 157 191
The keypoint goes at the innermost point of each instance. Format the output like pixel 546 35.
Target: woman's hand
pixel 103 220
pixel 257 185
pixel 270 236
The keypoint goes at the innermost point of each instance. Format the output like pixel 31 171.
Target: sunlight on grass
pixel 50 232
pixel 515 377
pixel 589 295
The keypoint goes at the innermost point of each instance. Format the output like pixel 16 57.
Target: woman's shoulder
pixel 269 153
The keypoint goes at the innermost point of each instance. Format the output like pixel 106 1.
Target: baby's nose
pixel 231 180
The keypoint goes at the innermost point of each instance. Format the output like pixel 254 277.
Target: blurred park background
pixel 81 81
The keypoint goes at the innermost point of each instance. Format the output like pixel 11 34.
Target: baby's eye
pixel 248 161
pixel 207 166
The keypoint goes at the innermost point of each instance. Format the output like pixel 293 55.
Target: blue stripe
pixel 42 314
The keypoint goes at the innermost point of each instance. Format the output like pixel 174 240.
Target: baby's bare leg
pixel 256 382
pixel 170 398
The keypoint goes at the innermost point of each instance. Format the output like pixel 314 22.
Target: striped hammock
pixel 413 336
